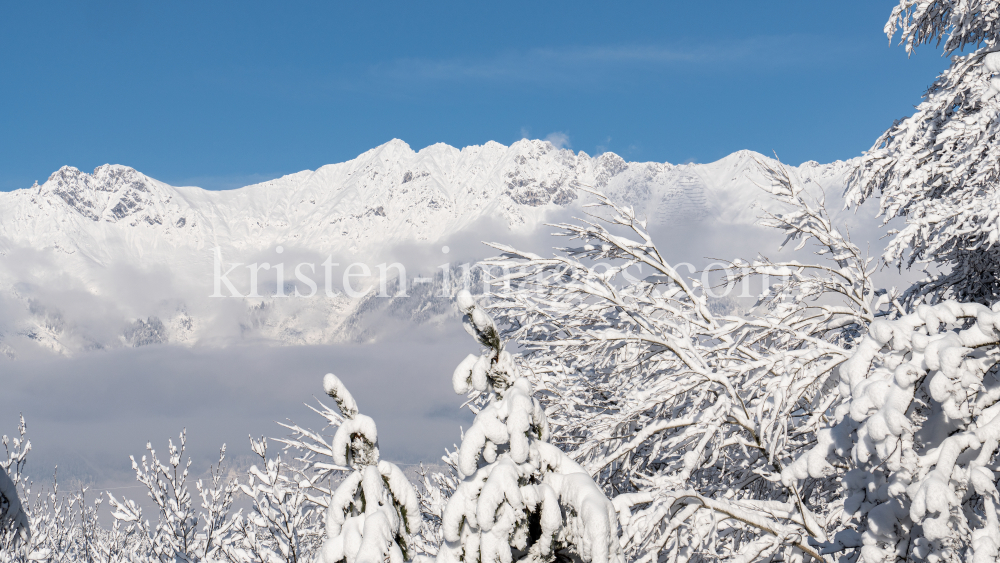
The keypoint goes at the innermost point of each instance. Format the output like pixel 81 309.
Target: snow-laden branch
pixel 916 441
pixel 690 415
pixel 956 23
pixel 938 168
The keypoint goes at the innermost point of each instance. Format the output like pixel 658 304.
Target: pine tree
pixel 939 167
pixel 521 498
pixel 374 510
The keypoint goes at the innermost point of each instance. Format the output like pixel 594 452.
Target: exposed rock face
pixel 112 193
pixel 144 333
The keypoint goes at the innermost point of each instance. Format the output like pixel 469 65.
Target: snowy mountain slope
pixel 115 258
pixel 385 195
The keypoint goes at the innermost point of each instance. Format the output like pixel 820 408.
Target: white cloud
pixel 593 63
pixel 534 65
pixel 559 139
pixel 88 414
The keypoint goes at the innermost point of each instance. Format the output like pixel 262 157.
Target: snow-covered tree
pixel 182 533
pixel 520 497
pixel 435 488
pixel 686 418
pixel 374 510
pixel 63 527
pixel 916 442
pixel 938 167
pixel 15 528
pixel 282 525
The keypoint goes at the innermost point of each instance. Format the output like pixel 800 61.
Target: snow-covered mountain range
pixel 115 258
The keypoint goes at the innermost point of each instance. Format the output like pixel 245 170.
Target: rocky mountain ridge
pixel 116 258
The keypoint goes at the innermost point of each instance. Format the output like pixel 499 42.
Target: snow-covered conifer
pixel 520 497
pixel 916 442
pixel 937 168
pixel 374 510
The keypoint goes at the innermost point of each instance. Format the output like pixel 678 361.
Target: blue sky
pixel 222 94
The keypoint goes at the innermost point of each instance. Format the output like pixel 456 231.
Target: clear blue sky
pixel 221 94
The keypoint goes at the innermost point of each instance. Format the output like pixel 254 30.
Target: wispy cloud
pixel 595 66
pixel 535 65
pixel 551 65
pixel 559 140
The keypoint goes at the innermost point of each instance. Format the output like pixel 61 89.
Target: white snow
pixel 12 517
pixel 374 511
pixel 509 470
pixel 353 430
pixel 88 230
pixel 336 389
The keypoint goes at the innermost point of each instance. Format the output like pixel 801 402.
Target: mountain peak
pixel 392 149
pixel 111 193
pixel 106 177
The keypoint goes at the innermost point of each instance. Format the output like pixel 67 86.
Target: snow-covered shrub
pixel 374 510
pixel 520 497
pixel 435 488
pixel 282 525
pixel 916 442
pixel 14 526
pixel 182 532
pixel 62 527
pixel 685 418
pixel 937 168
pixel 119 544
